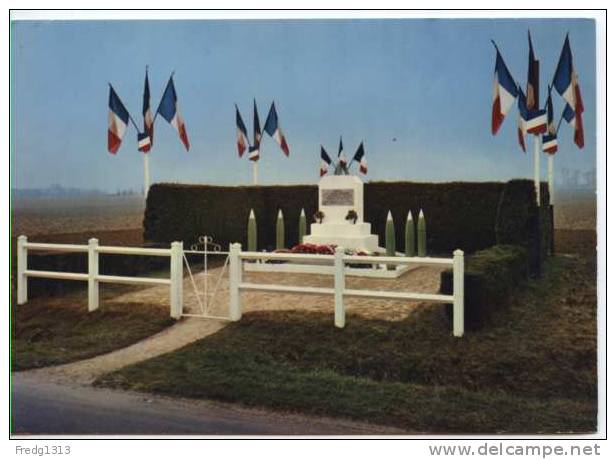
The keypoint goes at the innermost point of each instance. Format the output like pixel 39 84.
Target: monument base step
pixel 340 229
pixel 369 244
pixel 380 272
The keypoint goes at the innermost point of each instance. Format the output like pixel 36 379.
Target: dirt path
pixel 84 372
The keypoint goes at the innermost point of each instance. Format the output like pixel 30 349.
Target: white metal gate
pixel 206 294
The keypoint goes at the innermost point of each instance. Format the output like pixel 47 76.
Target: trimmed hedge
pixel 490 276
pixel 467 215
pixel 458 215
pixel 520 222
pixel 118 265
pixel 185 212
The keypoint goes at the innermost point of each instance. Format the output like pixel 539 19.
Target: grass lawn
pixel 532 369
pixel 52 331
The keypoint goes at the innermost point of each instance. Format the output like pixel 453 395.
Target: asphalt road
pixel 43 407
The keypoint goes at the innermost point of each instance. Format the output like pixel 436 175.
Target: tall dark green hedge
pixel 519 221
pixel 465 215
pixel 490 277
pixel 110 264
pixel 459 215
pixel 184 212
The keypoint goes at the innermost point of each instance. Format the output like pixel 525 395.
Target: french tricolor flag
pixel 504 92
pixel 148 121
pixel 144 142
pixel 566 83
pixel 255 124
pixel 253 153
pixel 342 160
pixel 168 109
pixel 569 115
pixel 522 115
pixel 118 122
pixel 272 127
pixel 549 140
pixel 572 119
pixel 326 161
pixel 550 144
pixel 360 157
pixel 536 122
pixel 242 135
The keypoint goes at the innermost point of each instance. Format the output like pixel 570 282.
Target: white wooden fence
pixel 236 285
pixel 339 291
pixel 93 278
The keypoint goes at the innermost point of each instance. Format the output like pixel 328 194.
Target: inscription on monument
pixel 339 197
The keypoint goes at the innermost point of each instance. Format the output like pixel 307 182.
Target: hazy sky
pixel 425 83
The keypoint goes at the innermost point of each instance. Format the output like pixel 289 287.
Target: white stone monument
pixel 337 195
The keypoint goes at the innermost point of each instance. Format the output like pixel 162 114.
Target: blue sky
pixel 425 83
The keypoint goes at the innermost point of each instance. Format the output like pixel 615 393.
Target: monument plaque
pixel 338 197
pixel 338 194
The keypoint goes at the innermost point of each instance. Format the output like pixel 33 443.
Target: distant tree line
pixel 55 190
pixel 576 179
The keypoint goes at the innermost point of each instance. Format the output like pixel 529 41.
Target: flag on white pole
pixel 253 153
pixel 504 92
pixel 549 140
pixel 567 85
pixel 118 122
pixel 242 134
pixel 168 109
pixel 148 121
pixel 325 161
pixel 272 127
pixel 360 157
pixel 341 156
pixel 256 125
pixel 144 142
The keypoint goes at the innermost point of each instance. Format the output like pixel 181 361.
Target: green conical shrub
pixel 252 232
pixel 390 239
pixel 409 236
pixel 422 246
pixel 302 226
pixel 280 231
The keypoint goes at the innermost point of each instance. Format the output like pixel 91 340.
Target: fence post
pixel 235 278
pixel 458 293
pixel 93 297
pixel 22 266
pixel 177 271
pixel 339 287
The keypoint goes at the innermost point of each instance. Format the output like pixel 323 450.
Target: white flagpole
pixel 551 178
pixel 146 175
pixel 537 169
pixel 255 172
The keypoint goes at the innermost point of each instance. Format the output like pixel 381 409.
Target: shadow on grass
pixel 59 330
pixel 531 369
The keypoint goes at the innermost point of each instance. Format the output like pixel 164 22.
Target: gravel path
pixel 421 279
pixel 84 372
